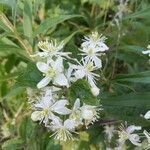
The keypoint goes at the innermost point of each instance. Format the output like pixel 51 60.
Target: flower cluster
pixel 130 134
pixel 49 103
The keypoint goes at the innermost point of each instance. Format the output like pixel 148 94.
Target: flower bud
pixel 95 91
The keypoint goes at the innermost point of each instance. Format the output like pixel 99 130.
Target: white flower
pixel 89 113
pixel 148 139
pixel 53 71
pixel 46 108
pixel 95 41
pixel 147 51
pixel 126 133
pixel 69 75
pixel 147 115
pixel 122 9
pixel 109 131
pixel 147 135
pixel 86 70
pixel 62 131
pixel 76 113
pixel 92 47
pixel 51 49
pixel 95 90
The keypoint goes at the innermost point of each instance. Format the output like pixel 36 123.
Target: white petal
pixel 69 72
pixel 146 52
pixel 60 79
pixel 58 65
pixel 91 81
pixel 147 115
pixel 43 67
pixel 79 74
pixel 97 61
pixel 69 124
pixel 76 104
pixel 36 115
pixel 59 107
pixel 135 139
pixel 132 128
pixel 102 47
pixel 56 123
pixel 147 135
pixel 45 81
pixel 63 111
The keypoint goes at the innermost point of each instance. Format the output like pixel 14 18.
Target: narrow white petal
pixel 135 139
pixel 43 67
pixel 102 47
pixel 58 65
pixel 69 124
pixel 76 104
pixel 132 128
pixel 147 115
pixel 146 52
pixel 79 74
pixel 59 107
pixel 91 81
pixel 61 79
pixel 147 135
pixel 45 81
pixel 97 61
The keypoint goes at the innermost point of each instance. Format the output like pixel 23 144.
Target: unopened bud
pixel 95 91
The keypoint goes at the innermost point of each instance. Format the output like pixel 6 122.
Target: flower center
pixel 51 72
pixel 89 67
pixel 63 134
pixel 45 112
pixel 90 52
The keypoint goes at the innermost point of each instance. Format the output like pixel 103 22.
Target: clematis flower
pixel 147 51
pixel 75 114
pixel 62 130
pixel 92 48
pixel 147 135
pixel 147 115
pixel 109 131
pixel 86 70
pixel 46 108
pixel 89 113
pixel 51 49
pixel 126 133
pixel 53 71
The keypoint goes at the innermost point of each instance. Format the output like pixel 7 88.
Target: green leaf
pixel 28 129
pixel 13 144
pixel 6 50
pixel 52 145
pixel 52 22
pixel 142 77
pixel 12 4
pixel 27 18
pixel 67 39
pixel 80 89
pixel 130 54
pixel 127 107
pixel 29 77
pixel 139 14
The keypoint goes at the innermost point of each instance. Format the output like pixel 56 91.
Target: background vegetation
pixel 125 77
